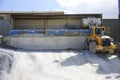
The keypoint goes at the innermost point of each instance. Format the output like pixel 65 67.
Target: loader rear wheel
pixel 92 47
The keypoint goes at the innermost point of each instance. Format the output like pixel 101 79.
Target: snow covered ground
pixel 57 65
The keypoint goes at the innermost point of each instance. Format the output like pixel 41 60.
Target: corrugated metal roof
pixel 45 13
pixel 59 13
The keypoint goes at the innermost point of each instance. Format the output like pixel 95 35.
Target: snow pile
pixel 62 65
pixel 6 64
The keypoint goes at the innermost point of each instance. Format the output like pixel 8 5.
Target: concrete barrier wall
pixel 42 42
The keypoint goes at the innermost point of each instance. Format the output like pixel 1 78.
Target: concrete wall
pixel 114 28
pixel 46 42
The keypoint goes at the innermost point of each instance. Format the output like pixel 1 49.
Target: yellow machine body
pixel 97 39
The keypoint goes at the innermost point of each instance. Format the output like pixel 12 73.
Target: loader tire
pixel 92 47
pixel 86 47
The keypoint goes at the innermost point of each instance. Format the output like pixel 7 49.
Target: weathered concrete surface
pixel 1 37
pixel 46 42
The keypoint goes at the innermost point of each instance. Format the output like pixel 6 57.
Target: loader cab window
pixel 99 31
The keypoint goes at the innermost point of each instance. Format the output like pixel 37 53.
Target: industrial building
pixel 41 20
pixel 38 20
pixel 54 29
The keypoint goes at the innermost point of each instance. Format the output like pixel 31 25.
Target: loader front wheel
pixel 92 47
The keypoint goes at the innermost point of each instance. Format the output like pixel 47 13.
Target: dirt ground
pixel 57 65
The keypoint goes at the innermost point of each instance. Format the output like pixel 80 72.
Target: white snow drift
pixel 58 65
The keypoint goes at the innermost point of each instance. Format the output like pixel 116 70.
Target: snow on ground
pixel 57 65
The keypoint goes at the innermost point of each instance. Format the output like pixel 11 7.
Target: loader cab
pixel 99 31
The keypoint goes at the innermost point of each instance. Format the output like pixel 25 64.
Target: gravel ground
pixel 57 65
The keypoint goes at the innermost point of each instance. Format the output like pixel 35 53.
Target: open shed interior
pixel 49 21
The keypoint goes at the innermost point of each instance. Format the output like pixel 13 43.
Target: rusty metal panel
pixel 73 23
pixel 29 24
pixel 35 13
pixel 59 21
pixel 56 23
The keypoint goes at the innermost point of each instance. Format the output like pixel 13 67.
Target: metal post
pixel 119 17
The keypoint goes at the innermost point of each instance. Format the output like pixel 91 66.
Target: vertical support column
pixel 44 26
pixel 66 20
pixel 45 23
pixel 119 17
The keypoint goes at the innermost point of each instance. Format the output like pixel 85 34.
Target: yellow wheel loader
pixel 98 41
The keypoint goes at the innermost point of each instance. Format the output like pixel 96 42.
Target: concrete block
pixel 46 42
